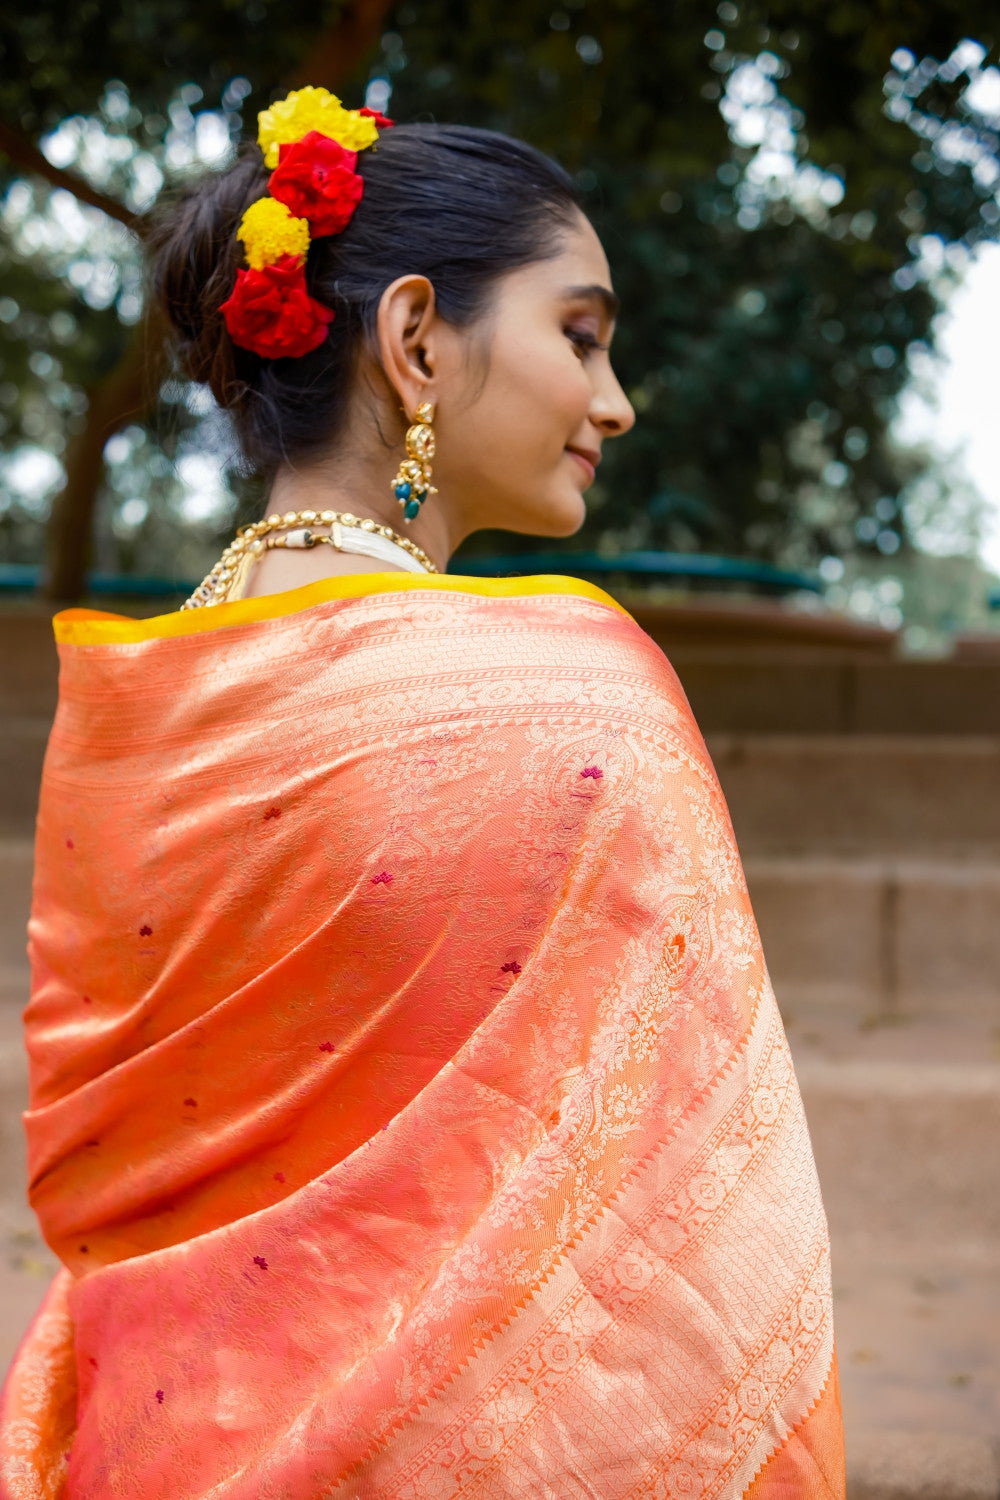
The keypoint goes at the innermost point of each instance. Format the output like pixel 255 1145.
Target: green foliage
pixel 764 336
pixel 57 58
pixel 769 299
pixel 52 345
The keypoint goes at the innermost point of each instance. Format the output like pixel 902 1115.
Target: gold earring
pixel 412 483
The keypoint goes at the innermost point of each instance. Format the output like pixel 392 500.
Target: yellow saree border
pixel 94 627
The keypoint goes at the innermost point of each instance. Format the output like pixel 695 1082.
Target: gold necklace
pixel 228 578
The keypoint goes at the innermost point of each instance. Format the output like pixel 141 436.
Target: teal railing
pixel 648 565
pixel 26 578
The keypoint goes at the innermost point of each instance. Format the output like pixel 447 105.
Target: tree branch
pixel 26 155
pixel 340 49
pixel 337 53
pixel 125 394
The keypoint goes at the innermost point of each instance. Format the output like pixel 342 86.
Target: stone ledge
pixel 910 795
pixel 894 1465
pixel 880 935
pixel 887 1079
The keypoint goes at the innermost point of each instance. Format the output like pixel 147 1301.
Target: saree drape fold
pixel 409 1104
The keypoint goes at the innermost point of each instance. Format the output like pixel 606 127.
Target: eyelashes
pixel 585 341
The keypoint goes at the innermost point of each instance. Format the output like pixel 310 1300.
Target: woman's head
pixel 453 283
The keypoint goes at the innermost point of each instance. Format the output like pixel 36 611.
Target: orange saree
pixel 409 1104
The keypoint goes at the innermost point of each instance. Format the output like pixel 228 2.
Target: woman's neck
pixel 354 488
pixel 363 490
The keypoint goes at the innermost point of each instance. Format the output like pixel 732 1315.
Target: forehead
pixel 579 261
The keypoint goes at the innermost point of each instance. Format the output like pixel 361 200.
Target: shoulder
pixel 569 640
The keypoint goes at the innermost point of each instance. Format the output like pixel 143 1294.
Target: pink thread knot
pixel 326 1047
pixel 145 930
pixel 159 1397
pixel 594 771
pixel 512 968
pixel 259 1260
pixel 384 879
pixel 272 812
pixel 279 1176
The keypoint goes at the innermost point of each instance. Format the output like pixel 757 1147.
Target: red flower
pixel 271 313
pixel 382 121
pixel 315 179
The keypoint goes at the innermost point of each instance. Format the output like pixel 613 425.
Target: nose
pixel 610 410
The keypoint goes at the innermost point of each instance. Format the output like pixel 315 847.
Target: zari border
pixel 810 1459
pixel 94 627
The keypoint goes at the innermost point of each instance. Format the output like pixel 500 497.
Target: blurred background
pixel 799 201
pixel 801 204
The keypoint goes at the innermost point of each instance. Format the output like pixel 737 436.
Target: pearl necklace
pixel 228 579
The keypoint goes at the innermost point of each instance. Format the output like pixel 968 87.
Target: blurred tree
pixel 781 189
pixel 777 185
pixel 118 92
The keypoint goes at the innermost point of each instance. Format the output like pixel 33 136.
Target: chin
pixel 560 515
pixel 559 512
pixel 575 514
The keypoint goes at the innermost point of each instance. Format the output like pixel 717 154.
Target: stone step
pixel 909 1153
pixel 880 937
pixel 787 793
pixel 16 857
pixel 760 691
pixel 918 796
pixel 27 1265
pixel 910 1464
pixel 22 750
pixel 743 684
pixel 29 665
pixel 905 1124
pixel 908 1149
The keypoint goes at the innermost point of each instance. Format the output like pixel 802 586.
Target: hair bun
pixel 195 257
pixel 461 206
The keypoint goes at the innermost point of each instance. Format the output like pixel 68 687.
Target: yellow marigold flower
pixel 269 231
pixel 312 109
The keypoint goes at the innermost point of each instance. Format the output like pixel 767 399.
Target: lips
pixel 588 458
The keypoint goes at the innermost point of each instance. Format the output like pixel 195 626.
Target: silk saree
pixel 410 1108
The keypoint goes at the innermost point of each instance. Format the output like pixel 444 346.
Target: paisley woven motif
pixel 409 1101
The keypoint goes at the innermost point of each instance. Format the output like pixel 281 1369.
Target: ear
pixel 406 328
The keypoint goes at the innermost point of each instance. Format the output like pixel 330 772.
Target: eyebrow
pixel 596 293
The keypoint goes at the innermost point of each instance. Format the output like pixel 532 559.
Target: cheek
pixel 513 434
pixel 549 388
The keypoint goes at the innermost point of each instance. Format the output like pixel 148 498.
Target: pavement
pixel 905 1122
pixel 27 1265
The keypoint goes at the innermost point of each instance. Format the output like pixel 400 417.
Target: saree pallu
pixel 409 1106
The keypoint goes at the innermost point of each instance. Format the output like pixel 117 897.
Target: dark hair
pixel 458 205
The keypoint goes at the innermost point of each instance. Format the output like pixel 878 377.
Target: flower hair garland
pixel 311 142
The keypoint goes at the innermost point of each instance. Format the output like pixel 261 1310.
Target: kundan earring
pixel 412 483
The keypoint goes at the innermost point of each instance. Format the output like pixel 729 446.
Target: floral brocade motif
pixel 408 964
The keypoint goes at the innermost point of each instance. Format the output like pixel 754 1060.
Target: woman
pixel 410 1108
